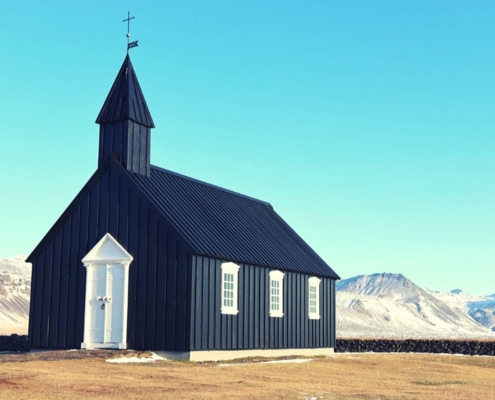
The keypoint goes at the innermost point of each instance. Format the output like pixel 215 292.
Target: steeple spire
pixel 125 122
pixel 125 100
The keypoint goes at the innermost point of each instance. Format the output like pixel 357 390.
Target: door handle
pixel 99 298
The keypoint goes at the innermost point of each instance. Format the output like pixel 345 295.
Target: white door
pixel 106 304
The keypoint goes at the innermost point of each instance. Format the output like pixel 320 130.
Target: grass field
pixel 86 375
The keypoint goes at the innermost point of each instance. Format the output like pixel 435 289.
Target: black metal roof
pixel 228 225
pixel 125 100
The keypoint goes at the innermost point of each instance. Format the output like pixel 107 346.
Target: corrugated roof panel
pixel 224 224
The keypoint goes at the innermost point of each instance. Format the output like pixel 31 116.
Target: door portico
pixel 107 283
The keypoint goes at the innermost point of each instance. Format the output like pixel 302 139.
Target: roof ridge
pixel 211 185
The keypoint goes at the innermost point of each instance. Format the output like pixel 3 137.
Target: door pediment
pixel 107 250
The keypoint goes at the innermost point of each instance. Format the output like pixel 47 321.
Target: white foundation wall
pixel 220 355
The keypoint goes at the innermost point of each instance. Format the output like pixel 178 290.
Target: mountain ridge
pixel 390 305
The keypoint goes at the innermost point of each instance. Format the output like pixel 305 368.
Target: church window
pixel 230 272
pixel 314 298
pixel 276 294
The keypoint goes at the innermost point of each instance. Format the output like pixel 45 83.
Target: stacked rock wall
pixel 17 343
pixel 14 343
pixel 468 347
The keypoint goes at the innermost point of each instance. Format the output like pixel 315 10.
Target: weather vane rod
pixel 130 45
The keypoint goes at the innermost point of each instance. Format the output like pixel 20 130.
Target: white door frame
pixel 107 252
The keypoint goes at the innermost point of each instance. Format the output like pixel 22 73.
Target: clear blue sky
pixel 369 125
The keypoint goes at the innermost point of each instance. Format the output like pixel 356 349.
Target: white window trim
pixel 314 281
pixel 277 276
pixel 230 267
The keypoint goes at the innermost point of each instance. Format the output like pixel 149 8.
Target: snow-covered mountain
pixel 15 286
pixel 390 305
pixel 483 311
pixel 480 308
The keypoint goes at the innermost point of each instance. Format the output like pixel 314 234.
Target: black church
pixel 146 258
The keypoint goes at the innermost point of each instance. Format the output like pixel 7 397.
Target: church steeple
pixel 125 123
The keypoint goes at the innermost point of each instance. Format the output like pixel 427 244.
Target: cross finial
pixel 130 45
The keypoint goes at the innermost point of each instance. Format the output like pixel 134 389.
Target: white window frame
pixel 277 276
pixel 231 269
pixel 314 282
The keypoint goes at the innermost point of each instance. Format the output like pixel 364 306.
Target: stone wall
pixel 14 343
pixel 468 347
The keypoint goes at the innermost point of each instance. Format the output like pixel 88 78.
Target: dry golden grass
pixel 76 375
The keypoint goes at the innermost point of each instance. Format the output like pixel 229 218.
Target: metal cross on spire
pixel 130 45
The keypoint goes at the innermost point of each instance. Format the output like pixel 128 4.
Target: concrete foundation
pixel 218 355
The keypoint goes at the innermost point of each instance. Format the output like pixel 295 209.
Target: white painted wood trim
pixel 106 334
pixel 276 276
pixel 86 302
pixel 107 252
pixel 126 304
pixel 109 345
pixel 230 267
pixel 314 281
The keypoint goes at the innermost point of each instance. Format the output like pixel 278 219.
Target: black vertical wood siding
pixel 159 307
pixel 252 327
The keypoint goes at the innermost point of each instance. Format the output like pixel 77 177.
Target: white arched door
pixel 107 283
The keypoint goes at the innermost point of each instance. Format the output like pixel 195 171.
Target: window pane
pixel 313 300
pixel 228 290
pixel 275 295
